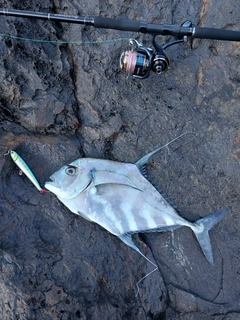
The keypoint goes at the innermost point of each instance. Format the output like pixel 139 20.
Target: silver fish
pixel 118 197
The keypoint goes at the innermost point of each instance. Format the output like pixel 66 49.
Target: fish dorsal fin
pixel 166 197
pixel 141 165
pixel 142 162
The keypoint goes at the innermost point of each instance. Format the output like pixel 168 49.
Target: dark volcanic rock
pixel 60 101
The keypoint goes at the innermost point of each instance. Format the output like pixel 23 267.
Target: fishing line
pixel 5 35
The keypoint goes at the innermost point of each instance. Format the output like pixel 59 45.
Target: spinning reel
pixel 140 60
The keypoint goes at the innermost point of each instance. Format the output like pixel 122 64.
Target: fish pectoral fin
pixel 100 187
pixel 105 177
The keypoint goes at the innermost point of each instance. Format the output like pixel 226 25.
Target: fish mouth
pixel 52 183
pixel 53 180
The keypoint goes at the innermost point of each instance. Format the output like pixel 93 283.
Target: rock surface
pixel 61 101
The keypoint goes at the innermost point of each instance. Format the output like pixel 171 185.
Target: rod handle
pixel 216 34
pixel 119 24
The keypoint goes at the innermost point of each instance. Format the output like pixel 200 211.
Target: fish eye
pixel 71 171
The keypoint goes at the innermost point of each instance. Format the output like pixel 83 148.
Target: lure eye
pixel 71 171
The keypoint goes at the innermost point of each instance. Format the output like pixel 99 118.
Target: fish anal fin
pixel 161 229
pixel 127 239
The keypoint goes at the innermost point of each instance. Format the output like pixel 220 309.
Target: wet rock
pixel 60 101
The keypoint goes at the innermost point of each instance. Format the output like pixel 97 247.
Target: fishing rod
pixel 139 60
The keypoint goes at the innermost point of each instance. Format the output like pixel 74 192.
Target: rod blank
pixel 46 16
pixel 131 25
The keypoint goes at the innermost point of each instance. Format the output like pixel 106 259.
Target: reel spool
pixel 137 61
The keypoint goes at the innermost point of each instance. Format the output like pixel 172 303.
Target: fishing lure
pixel 25 169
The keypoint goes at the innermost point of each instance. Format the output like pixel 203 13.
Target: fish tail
pixel 202 226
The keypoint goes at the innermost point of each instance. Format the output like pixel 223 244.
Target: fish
pixel 118 197
pixel 25 169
